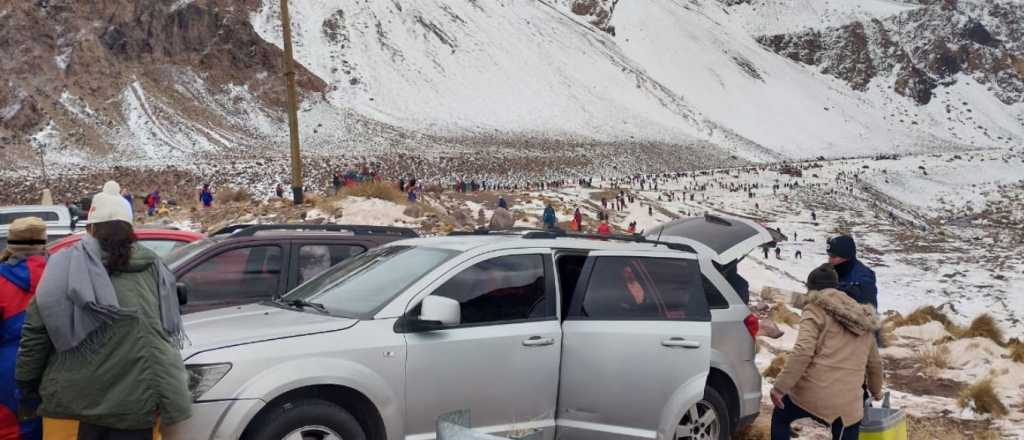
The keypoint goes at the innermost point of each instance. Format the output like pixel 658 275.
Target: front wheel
pixel 305 419
pixel 708 419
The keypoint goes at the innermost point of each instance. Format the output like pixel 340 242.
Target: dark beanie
pixel 823 277
pixel 843 247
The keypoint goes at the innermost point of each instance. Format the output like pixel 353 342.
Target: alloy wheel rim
pixel 699 423
pixel 313 432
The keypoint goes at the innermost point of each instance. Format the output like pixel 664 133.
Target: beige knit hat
pixel 109 205
pixel 25 235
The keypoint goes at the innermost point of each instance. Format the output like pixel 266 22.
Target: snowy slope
pixel 766 17
pixel 475 67
pixel 676 71
pixel 710 61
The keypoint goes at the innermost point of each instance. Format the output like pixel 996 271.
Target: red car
pixel 161 241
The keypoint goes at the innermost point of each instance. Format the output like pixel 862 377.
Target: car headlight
pixel 203 377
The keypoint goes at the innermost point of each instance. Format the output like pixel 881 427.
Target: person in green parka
pixel 101 342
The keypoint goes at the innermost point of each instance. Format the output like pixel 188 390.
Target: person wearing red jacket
pixel 21 268
pixel 604 229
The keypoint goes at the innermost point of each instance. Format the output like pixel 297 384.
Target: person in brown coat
pixel 834 352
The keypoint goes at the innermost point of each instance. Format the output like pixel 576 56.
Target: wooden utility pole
pixel 293 104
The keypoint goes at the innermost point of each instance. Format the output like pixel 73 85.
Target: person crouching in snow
pixel 21 267
pixel 834 351
pixel 603 228
pixel 102 339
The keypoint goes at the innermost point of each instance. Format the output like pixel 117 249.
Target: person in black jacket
pixel 856 279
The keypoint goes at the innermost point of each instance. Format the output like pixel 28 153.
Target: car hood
pixel 253 323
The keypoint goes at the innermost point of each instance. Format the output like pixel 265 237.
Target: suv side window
pixel 316 258
pixel 237 274
pixel 502 289
pixel 715 298
pixel 644 288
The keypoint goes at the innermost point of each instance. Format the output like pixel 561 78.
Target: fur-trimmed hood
pixel 855 317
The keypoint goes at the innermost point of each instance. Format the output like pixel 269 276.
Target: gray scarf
pixel 76 297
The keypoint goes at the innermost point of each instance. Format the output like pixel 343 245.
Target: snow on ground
pixel 363 211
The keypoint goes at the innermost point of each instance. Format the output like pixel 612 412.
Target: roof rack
pixel 538 234
pixel 250 230
pixel 230 229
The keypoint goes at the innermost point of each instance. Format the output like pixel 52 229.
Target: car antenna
pixel 660 231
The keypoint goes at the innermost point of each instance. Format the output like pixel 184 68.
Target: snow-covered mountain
pixel 758 79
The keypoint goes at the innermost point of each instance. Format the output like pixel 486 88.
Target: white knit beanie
pixel 109 205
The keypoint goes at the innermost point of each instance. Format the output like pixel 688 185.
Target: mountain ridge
pixel 123 82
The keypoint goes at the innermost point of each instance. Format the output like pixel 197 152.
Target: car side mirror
pixel 436 313
pixel 439 308
pixel 182 293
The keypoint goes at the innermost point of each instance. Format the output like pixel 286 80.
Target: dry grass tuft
pixel 940 428
pixel 778 363
pixel 924 315
pixel 984 326
pixel 232 195
pixel 783 315
pixel 757 431
pixel 930 357
pixel 375 190
pixel 1017 352
pixel 983 398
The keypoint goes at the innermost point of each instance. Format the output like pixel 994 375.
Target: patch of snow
pixel 377 212
pixel 181 4
pixel 63 59
pixel 76 106
pixel 929 332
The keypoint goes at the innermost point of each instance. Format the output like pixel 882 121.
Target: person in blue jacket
pixel 21 267
pixel 502 203
pixel 856 279
pixel 206 196
pixel 550 219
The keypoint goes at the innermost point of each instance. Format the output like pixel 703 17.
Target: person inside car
pixel 637 302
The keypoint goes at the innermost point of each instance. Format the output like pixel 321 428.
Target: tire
pixel 698 424
pixel 305 419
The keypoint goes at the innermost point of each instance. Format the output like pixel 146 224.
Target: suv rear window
pixel 641 288
pixel 719 236
pixel 715 298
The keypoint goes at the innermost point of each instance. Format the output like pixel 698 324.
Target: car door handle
pixel 680 343
pixel 538 341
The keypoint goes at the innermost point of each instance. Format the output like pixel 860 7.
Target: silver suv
pixel 577 338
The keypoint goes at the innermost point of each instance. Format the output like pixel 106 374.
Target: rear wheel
pixel 708 419
pixel 305 419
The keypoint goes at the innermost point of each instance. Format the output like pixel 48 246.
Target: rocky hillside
pixel 918 51
pixel 135 78
pixel 118 82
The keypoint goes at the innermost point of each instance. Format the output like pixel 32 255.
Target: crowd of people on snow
pixel 102 318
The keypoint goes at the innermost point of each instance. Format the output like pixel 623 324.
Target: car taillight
pixel 752 324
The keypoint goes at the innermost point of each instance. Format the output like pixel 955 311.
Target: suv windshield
pixel 186 252
pixel 361 285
